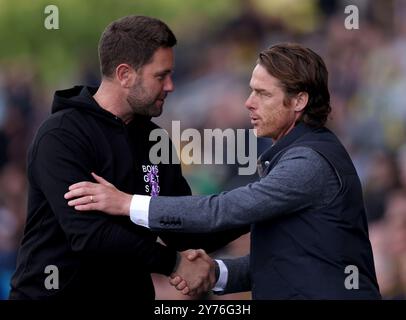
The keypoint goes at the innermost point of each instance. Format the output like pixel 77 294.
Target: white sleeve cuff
pixel 139 210
pixel 223 277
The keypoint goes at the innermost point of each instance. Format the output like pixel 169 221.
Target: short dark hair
pixel 300 69
pixel 132 40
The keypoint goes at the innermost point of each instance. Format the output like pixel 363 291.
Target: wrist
pixel 126 204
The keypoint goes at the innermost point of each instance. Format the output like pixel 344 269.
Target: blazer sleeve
pixel 210 242
pixel 239 279
pixel 294 184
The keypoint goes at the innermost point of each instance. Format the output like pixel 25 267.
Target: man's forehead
pixel 260 76
pixel 162 58
pixel 162 54
pixel 260 73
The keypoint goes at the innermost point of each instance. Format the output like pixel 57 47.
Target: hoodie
pixel 66 254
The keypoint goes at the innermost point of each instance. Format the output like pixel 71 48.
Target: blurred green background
pixel 218 44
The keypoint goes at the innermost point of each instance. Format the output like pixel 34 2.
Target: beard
pixel 143 103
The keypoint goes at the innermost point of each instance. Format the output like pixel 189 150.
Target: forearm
pixel 293 185
pixel 121 242
pixel 202 214
pixel 199 214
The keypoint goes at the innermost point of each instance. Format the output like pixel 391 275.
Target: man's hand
pixel 195 273
pixel 101 196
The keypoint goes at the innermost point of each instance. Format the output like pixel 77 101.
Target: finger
pixel 175 281
pixel 86 207
pixel 193 255
pixel 185 291
pixel 80 192
pixel 81 200
pixel 100 179
pixel 201 252
pixel 80 185
pixel 182 285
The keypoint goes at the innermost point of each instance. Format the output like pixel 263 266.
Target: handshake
pixel 195 272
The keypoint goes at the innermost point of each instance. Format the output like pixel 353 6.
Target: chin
pixel 155 113
pixel 258 133
pixel 262 134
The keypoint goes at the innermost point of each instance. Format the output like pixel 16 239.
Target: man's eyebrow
pixel 163 72
pixel 259 90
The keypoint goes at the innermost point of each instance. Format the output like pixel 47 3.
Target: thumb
pixel 100 179
pixel 192 255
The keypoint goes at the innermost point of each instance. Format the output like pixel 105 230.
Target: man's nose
pixel 169 86
pixel 248 102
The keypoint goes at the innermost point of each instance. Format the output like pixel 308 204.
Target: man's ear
pixel 301 101
pixel 126 75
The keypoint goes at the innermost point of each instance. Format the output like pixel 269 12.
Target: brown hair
pixel 132 40
pixel 300 69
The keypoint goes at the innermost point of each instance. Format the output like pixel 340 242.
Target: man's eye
pixel 264 94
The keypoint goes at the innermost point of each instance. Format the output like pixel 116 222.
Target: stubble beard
pixel 142 104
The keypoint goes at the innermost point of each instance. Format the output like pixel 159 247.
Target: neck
pixel 288 129
pixel 284 132
pixel 109 98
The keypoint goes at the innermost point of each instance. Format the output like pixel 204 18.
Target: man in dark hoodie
pixel 105 130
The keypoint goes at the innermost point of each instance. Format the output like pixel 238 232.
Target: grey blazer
pixel 295 183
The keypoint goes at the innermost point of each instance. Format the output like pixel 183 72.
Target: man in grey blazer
pixel 309 234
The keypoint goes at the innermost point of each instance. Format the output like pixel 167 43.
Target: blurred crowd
pixel 367 80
